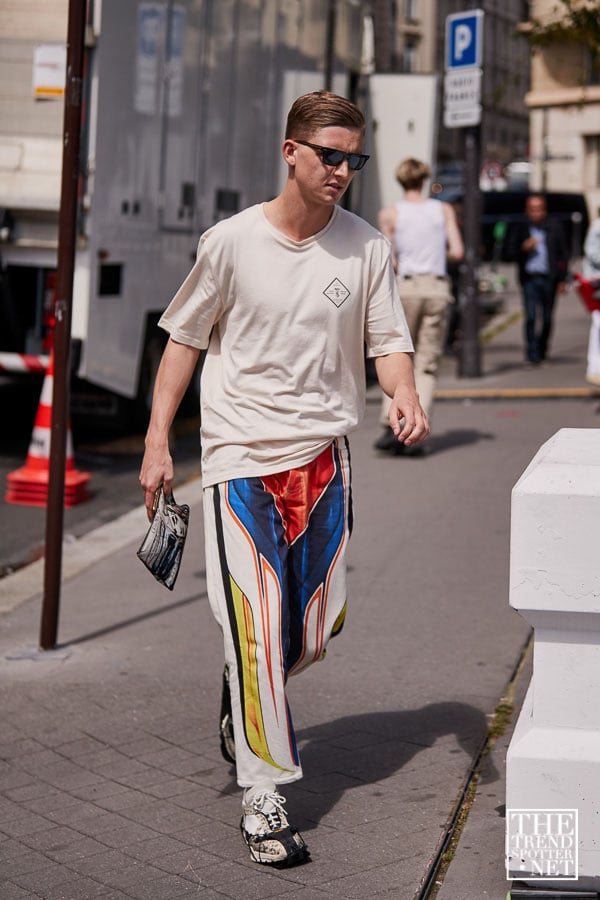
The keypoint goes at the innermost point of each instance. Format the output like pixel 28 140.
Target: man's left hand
pixel 408 420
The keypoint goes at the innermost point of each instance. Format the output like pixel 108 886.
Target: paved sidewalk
pixel 503 373
pixel 111 780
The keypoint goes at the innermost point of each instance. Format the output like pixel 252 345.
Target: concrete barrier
pixel 553 761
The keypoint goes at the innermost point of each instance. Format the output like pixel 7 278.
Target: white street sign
pixel 462 82
pixel 462 118
pixel 462 89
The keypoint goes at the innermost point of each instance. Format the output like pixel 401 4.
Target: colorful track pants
pixel 276 576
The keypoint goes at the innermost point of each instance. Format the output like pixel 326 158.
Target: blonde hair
pixel 411 173
pixel 321 109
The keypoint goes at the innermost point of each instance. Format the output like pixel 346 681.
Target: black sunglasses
pixel 333 157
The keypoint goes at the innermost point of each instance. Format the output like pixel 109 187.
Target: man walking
pixel 284 297
pixel 539 248
pixel 424 233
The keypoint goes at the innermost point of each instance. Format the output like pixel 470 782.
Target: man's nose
pixel 343 168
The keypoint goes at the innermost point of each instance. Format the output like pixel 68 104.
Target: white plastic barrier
pixel 553 762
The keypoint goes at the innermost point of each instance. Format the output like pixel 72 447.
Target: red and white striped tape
pixel 23 362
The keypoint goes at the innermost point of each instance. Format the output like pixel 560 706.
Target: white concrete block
pixel 553 761
pixel 555 530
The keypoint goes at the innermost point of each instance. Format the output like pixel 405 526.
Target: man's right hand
pixel 174 374
pixel 157 469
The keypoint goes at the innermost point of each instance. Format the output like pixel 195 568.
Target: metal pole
pixel 67 236
pixel 330 45
pixel 544 154
pixel 470 351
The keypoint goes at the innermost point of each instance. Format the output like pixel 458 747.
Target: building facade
pixel 404 36
pixel 564 110
pixel 410 37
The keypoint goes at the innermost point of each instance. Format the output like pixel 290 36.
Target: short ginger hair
pixel 322 109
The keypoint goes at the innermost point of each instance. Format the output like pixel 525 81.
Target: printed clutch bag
pixel 162 548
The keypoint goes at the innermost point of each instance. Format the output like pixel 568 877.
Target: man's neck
pixel 294 218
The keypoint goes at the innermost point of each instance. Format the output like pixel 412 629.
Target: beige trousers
pixel 426 300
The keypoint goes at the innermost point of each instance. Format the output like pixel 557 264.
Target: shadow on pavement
pixel 135 620
pixel 367 749
pixel 458 437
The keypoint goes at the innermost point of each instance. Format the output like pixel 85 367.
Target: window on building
pixel 410 10
pixel 409 57
pixel 591 73
pixel 592 160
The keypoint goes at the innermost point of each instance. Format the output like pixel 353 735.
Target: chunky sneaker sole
pixel 226 722
pixel 268 835
pixel 280 849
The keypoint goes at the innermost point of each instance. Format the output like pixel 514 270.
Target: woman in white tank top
pixel 420 238
pixel 424 233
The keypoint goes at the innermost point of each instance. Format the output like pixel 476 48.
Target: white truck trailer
pixel 185 102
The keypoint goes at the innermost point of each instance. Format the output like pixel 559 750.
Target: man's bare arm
pixel 395 374
pixel 172 380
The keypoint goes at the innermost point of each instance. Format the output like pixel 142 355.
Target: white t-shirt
pixel 285 323
pixel 420 238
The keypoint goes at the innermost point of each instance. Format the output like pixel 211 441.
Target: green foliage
pixel 502 717
pixel 573 21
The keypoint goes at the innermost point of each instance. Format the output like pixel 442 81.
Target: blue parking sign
pixel 464 39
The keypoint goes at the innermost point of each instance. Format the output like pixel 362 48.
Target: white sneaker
pixel 267 833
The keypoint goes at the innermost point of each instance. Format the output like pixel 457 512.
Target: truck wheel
pixel 154 346
pixel 151 357
pixel 190 405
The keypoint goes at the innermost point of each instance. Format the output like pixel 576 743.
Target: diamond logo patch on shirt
pixel 337 292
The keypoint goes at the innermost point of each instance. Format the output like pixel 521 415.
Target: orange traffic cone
pixel 29 484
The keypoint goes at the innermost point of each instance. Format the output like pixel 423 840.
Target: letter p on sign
pixel 464 40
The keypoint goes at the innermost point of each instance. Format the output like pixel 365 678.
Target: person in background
pixel 284 295
pixel 424 234
pixel 591 251
pixel 591 272
pixel 539 248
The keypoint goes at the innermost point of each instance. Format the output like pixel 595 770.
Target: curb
pixel 79 555
pixel 556 393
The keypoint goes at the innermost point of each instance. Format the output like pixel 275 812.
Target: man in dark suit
pixel 539 248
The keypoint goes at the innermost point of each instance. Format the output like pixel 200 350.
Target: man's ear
pixel 289 152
